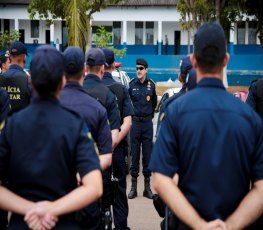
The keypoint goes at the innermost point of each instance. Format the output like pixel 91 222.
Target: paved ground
pixel 142 214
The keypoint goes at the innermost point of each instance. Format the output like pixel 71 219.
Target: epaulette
pixel 132 80
pixel 152 81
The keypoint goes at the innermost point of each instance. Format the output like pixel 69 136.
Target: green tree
pixel 102 40
pixel 196 12
pixel 6 38
pixel 255 8
pixel 77 14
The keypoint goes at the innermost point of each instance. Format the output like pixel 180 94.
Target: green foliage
pixel 77 14
pixel 254 8
pixel 102 40
pixel 7 38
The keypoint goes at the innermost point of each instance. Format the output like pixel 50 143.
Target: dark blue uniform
pixel 16 82
pixel 4 105
pixel 216 160
pixel 91 81
pixel 144 100
pixel 77 99
pixel 165 104
pixel 120 207
pixel 41 149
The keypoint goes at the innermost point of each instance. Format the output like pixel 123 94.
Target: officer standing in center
pixel 144 99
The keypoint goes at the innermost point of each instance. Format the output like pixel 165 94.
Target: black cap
pixel 18 48
pixel 96 57
pixel 109 55
pixel 48 64
pixel 190 81
pixel 185 65
pixel 210 41
pixel 141 61
pixel 74 60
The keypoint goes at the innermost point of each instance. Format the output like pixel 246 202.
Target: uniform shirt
pixel 127 109
pixel 42 148
pixel 252 96
pixel 77 99
pixel 165 104
pixel 15 71
pixel 143 96
pixel 215 143
pixel 4 105
pixel 91 81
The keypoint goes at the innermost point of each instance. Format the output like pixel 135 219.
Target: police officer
pixel 94 86
pixel 187 76
pixel 144 99
pixel 215 143
pixel 120 206
pixel 76 98
pixel 4 63
pixel 255 96
pixel 47 172
pixel 15 80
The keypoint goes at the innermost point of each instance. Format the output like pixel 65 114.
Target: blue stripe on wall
pixel 242 69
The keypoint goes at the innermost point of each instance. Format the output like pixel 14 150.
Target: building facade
pixel 143 27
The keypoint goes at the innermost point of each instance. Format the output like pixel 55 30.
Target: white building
pixel 138 25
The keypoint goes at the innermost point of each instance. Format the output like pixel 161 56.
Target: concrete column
pixel 124 34
pixel 246 32
pixel 232 39
pixel 144 33
pixel 52 34
pixel 159 42
pixel 16 24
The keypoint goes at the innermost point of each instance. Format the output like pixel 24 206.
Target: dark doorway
pixel 22 36
pixel 177 42
pixel 64 36
pixel 7 25
pixel 48 37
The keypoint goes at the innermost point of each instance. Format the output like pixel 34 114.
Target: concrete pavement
pixel 142 214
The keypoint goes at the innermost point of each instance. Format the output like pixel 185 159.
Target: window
pixel 252 32
pixel 149 33
pixel 138 33
pixel 116 33
pixel 34 29
pixel 241 31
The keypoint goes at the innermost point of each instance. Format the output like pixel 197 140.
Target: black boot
pixel 147 189
pixel 133 193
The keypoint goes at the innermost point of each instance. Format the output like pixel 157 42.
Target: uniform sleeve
pixel 86 156
pixel 127 104
pixel 104 141
pixel 164 159
pixel 113 111
pixel 257 160
pixel 252 96
pixel 4 151
pixel 4 105
pixel 154 99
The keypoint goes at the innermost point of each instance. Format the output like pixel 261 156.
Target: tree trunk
pixel 89 35
pixel 218 10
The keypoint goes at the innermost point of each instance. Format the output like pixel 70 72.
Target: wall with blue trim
pixel 245 65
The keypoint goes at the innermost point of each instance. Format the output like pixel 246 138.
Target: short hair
pixel 210 47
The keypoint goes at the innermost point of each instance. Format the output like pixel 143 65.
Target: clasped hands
pixel 40 217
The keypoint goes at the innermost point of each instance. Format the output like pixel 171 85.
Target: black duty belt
pixel 147 118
